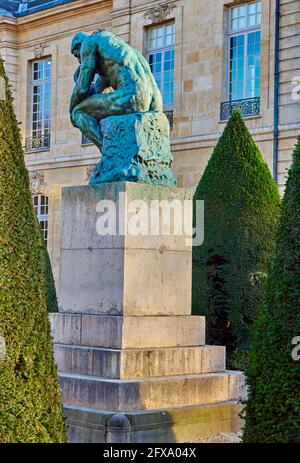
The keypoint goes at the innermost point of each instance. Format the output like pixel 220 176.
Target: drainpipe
pixel 276 92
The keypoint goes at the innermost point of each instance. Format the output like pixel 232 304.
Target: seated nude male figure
pixel 110 62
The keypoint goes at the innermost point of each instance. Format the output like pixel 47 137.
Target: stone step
pixel 173 425
pixel 151 393
pixel 115 332
pixel 139 363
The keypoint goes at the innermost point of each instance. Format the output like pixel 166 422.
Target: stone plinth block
pixel 125 250
pixel 127 332
pixel 139 363
pixel 175 425
pixel 151 393
pixel 136 148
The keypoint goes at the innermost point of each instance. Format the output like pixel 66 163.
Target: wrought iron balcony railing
pixel 170 115
pixel 249 107
pixel 41 143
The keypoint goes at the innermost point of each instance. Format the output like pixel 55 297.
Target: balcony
pixel 41 143
pixel 248 108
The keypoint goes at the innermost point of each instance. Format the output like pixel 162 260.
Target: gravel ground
pixel 222 439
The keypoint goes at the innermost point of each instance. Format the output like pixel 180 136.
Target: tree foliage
pixel 30 403
pixel 273 376
pixel 241 214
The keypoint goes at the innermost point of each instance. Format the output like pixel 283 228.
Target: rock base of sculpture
pixel 132 360
pixel 136 148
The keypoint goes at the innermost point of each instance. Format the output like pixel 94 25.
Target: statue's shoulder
pixel 114 47
pixel 110 39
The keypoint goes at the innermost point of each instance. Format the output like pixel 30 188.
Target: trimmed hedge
pixel 52 303
pixel 273 377
pixel 241 215
pixel 30 403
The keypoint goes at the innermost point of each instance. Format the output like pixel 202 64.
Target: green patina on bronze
pixel 117 104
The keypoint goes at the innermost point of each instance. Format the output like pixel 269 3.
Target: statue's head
pixel 76 44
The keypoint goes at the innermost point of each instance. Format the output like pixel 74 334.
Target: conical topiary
pixel 30 404
pixel 52 303
pixel 273 376
pixel 241 214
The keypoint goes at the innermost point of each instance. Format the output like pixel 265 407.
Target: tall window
pixel 40 204
pixel 161 56
pixel 41 103
pixel 244 51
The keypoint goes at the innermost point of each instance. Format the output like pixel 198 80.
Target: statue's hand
pixel 100 83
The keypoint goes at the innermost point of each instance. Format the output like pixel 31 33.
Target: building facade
pixel 208 56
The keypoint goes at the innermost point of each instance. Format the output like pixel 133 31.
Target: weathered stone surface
pixel 151 393
pixel 139 363
pixel 118 429
pixel 116 282
pixel 131 345
pixel 79 205
pixel 128 332
pixel 186 424
pixel 130 275
pixel 136 148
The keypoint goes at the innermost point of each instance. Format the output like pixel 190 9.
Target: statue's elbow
pixel 82 92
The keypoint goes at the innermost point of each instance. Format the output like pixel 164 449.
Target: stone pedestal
pixel 125 341
pixel 136 148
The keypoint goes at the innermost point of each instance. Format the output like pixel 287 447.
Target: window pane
pixel 244 53
pixel 161 56
pixel 244 16
pixel 237 67
pixel 253 65
pixel 40 203
pixel 41 97
pixel 238 17
pixel 252 20
pixel 252 8
pixel 169 39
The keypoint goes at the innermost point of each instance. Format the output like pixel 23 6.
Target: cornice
pixel 9 44
pixel 59 13
pixel 58 35
pixel 7 23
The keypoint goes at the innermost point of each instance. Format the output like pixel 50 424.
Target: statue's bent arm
pixel 100 84
pixel 76 75
pixel 85 77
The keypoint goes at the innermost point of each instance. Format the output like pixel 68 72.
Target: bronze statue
pixel 117 104
pixel 110 62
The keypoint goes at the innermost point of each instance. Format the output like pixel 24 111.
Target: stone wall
pixel 289 114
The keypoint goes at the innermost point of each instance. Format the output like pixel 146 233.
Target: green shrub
pixel 273 377
pixel 30 403
pixel 241 214
pixel 52 304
